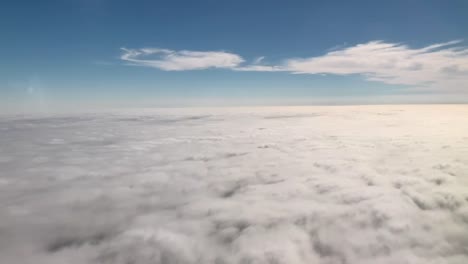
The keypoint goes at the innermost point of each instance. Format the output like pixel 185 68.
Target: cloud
pixel 438 66
pixel 325 185
pixel 170 60
pixel 260 68
pixel 259 59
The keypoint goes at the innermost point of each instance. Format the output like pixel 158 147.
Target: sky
pixel 141 53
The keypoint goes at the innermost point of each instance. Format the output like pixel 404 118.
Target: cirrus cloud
pixel 437 66
pixel 170 60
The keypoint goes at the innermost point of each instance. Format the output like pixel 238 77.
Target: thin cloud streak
pixel 170 60
pixel 437 66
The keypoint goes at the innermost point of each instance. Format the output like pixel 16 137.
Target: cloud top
pixel 283 185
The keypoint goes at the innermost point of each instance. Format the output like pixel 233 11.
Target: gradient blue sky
pixel 69 52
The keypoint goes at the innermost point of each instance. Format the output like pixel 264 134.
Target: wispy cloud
pixel 437 66
pixel 259 59
pixel 170 60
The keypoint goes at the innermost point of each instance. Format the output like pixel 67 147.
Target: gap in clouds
pixel 442 66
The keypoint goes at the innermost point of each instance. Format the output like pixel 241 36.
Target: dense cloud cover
pixel 331 185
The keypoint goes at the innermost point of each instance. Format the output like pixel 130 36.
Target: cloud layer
pixel 292 185
pixel 437 66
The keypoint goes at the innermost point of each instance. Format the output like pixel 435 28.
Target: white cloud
pixel 295 185
pixel 259 68
pixel 170 60
pixel 437 66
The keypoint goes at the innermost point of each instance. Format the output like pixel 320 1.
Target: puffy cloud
pixel 325 185
pixel 170 60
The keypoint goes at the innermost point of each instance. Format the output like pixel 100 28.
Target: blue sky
pixel 165 53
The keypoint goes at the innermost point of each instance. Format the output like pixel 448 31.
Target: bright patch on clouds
pixel 439 66
pixel 331 185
